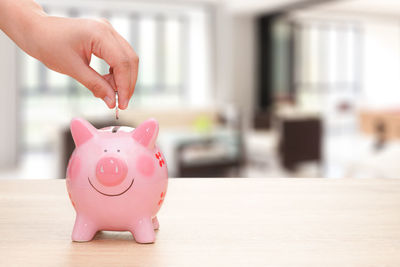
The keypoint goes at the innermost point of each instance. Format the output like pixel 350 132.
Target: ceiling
pixel 377 7
pixel 247 6
pixel 258 6
pixel 382 7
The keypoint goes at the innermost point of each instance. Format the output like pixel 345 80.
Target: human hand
pixel 66 45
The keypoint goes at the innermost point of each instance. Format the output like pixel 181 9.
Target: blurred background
pixel 273 88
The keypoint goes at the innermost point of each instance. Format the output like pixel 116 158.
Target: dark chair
pixel 223 166
pixel 300 141
pixel 227 164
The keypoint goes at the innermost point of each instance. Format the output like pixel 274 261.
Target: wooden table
pixel 216 222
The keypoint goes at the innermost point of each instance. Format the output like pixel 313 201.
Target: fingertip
pixel 123 103
pixel 110 102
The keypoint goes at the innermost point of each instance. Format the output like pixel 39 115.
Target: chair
pixel 300 141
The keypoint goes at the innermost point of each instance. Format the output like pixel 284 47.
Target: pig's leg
pixel 156 224
pixel 84 229
pixel 143 231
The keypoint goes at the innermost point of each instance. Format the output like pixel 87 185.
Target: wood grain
pixel 216 222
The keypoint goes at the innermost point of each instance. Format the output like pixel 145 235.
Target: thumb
pixel 99 86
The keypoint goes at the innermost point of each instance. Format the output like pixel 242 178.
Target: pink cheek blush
pixel 145 165
pixel 74 167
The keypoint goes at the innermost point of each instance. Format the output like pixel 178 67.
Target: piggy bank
pixel 116 179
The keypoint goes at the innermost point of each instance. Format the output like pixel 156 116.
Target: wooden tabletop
pixel 215 222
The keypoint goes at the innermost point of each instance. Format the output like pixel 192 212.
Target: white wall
pixel 235 63
pixel 8 103
pixel 244 69
pixel 381 63
pixel 223 56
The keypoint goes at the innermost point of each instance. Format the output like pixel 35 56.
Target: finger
pixel 108 48
pixel 135 68
pixel 110 79
pixel 99 86
pixel 129 49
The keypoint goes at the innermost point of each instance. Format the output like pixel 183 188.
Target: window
pixel 327 70
pixel 162 36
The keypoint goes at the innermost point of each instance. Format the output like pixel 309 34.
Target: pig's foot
pixel 143 231
pixel 84 230
pixel 156 224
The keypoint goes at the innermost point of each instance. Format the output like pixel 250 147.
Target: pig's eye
pixel 105 150
pixel 118 150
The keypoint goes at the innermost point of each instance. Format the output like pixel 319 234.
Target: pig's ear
pixel 146 133
pixel 81 131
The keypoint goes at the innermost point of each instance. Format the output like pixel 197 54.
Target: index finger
pixel 109 48
pixel 129 50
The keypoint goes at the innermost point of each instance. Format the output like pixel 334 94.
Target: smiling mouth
pixel 111 195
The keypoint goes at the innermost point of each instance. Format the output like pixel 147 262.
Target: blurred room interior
pixel 293 88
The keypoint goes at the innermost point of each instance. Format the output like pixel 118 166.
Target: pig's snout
pixel 111 171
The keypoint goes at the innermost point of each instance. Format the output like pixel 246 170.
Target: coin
pixel 116 106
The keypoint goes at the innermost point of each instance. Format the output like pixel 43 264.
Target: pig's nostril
pixel 111 171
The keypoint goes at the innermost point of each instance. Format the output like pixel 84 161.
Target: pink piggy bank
pixel 116 179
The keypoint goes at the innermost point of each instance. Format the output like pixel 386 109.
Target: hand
pixel 67 44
